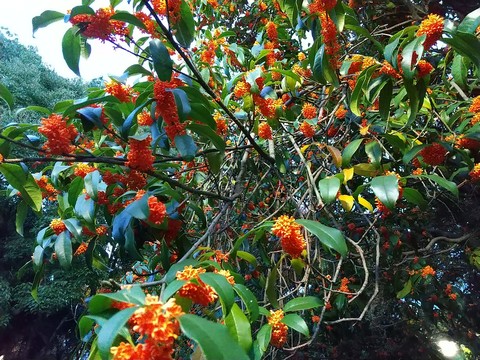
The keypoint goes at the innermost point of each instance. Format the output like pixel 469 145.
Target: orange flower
pixel 268 107
pixel 388 69
pixel 227 275
pixel 315 319
pixel 99 25
pixel 318 6
pixel 475 119
pixel 382 209
pixel 424 68
pixel 241 89
pixel 101 230
pixel 157 209
pixel 301 56
pixel 432 27
pixel 309 111
pixel 144 118
pixel 195 289
pixel 279 329
pixel 475 173
pixel 160 7
pixel 83 169
pixel 264 131
pixel 291 238
pixel 475 106
pixel 433 154
pixel 427 270
pixel 120 91
pixel 307 130
pixel 344 285
pixel 81 249
pixel 151 26
pixel 167 107
pixel 140 156
pixel 222 126
pixel 341 112
pixel 59 135
pixel 271 30
pixel 57 226
pixel 329 33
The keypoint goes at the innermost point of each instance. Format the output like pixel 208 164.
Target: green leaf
pixel 415 197
pixel 36 281
pixel 185 27
pixel 405 291
pixel 386 189
pixel 385 99
pixel 201 113
pixel 239 327
pixel 7 96
pixel 322 70
pixel 214 339
pixel 470 22
pixel 303 303
pixel 328 236
pixel 22 211
pixel 171 289
pixel 329 188
pixel 249 300
pixel 111 328
pixel 215 161
pixel 374 152
pixel 412 51
pixel 162 63
pixel 349 151
pixel 360 88
pixel 412 153
pixel 130 295
pixel 137 69
pixel 459 71
pixel 222 287
pixel 186 146
pixel 23 182
pixel 63 249
pixel 247 257
pixel 295 322
pixel 271 287
pixel 444 183
pixel 208 133
pixel 466 44
pixel 128 18
pixel 46 18
pixel 71 49
pixel 263 339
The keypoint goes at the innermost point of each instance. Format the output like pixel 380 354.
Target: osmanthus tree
pixel 272 168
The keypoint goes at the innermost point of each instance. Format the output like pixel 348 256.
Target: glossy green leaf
pixel 6 95
pixel 185 27
pixel 214 339
pixel 186 146
pixel 162 63
pixel 386 189
pixel 21 215
pixel 322 70
pixel 360 87
pixel 171 289
pixel 303 303
pixel 415 197
pixel 71 49
pixel 46 18
pixel 328 236
pixel 208 133
pixel 111 329
pixel 349 151
pixel 239 327
pixel 374 152
pixel 459 71
pixel 63 249
pixel 247 257
pixel 222 287
pixel 263 339
pixel 329 188
pixel 128 18
pixel 411 54
pixel 271 287
pixel 295 322
pixel 385 99
pixel 470 22
pixel 249 300
pixel 444 183
pixel 405 291
pixel 25 183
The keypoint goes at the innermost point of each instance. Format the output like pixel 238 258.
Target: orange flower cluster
pixel 81 249
pixel 99 25
pixel 271 30
pixel 57 226
pixel 279 329
pixel 241 89
pixel 59 135
pixel 388 69
pixel 83 169
pixel 268 107
pixel 432 27
pixel 309 111
pixel 433 154
pixel 319 6
pixel 144 118
pixel 120 91
pixel 475 106
pixel 264 131
pixel 341 112
pixel 382 209
pixel 195 289
pixel 151 26
pixel 101 230
pixel 329 33
pixel 427 270
pixel 140 156
pixel 158 324
pixel 167 108
pixel 48 190
pixel 467 143
pixel 448 291
pixel 291 238
pixel 424 68
pixel 307 130
pixel 344 286
pixel 222 127
pixel 227 275
pixel 272 55
pixel 475 173
pixel 160 7
pixel 157 210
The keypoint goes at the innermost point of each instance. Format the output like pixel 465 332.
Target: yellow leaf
pixel 346 201
pixel 364 130
pixel 365 203
pixel 347 174
pixel 336 154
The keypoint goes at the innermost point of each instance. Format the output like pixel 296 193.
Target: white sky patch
pixel 17 16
